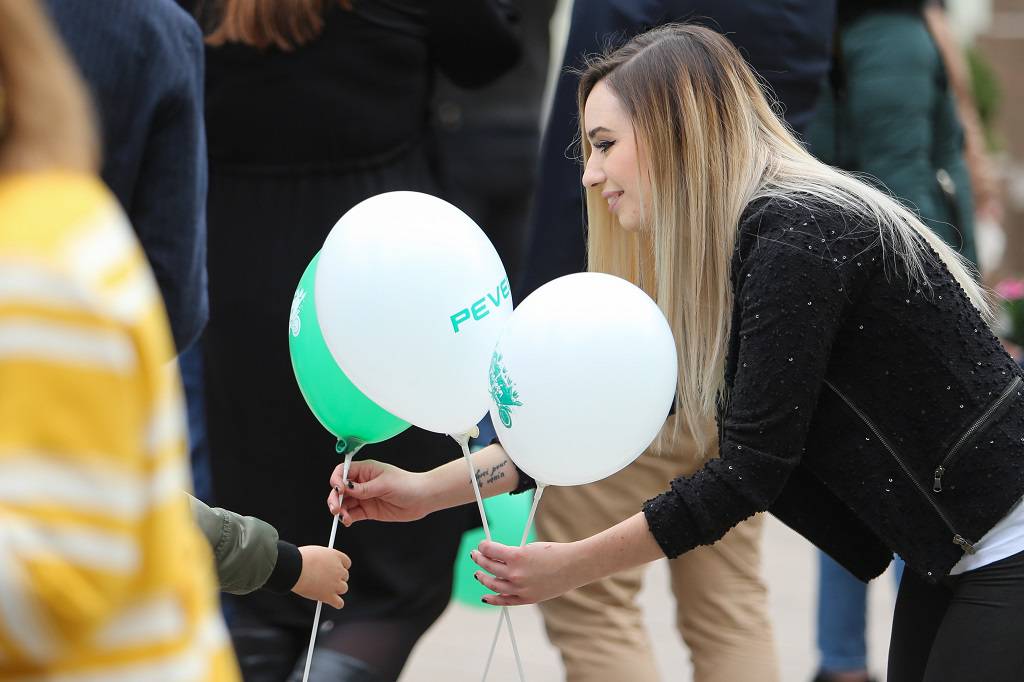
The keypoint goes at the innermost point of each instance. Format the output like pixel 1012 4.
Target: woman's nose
pixel 592 175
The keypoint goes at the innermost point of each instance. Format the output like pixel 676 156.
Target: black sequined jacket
pixel 869 415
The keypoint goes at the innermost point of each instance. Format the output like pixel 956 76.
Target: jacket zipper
pixel 958 539
pixel 978 425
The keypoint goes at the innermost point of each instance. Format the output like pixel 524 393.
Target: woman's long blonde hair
pixel 713 145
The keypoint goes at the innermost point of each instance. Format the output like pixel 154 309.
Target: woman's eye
pixel 603 146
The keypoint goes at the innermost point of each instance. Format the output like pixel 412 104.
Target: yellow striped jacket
pixel 103 577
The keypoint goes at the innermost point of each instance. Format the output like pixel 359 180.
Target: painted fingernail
pixel 484 600
pixel 351 485
pixel 476 577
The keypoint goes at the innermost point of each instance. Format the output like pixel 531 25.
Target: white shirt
pixel 1004 539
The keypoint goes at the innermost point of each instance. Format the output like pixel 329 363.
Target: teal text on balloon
pixel 481 308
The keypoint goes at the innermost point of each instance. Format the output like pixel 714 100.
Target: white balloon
pixel 411 297
pixel 582 378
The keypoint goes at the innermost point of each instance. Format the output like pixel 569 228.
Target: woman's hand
pixel 530 574
pixel 379 492
pixel 324 575
pixel 544 570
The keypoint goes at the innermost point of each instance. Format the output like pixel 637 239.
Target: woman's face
pixel 615 163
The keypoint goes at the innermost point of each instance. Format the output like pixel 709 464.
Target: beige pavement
pixel 455 649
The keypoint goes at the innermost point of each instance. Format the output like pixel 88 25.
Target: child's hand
pixel 324 575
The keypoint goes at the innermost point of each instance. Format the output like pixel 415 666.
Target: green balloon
pixel 334 399
pixel 506 517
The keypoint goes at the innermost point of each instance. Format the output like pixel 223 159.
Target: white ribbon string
pixel 505 616
pixel 330 543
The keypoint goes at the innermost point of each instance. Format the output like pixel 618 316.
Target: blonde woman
pixel 860 395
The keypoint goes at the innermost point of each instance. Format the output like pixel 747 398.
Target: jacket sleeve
pixel 788 311
pixel 246 550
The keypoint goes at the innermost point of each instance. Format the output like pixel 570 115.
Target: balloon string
pixel 463 440
pixel 330 543
pixel 505 616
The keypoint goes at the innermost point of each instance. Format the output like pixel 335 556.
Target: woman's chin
pixel 629 223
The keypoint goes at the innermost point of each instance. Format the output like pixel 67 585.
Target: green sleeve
pixel 244 548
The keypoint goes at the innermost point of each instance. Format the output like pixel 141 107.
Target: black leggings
pixel 969 627
pixel 357 651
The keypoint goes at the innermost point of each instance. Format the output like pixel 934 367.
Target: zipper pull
pixel 964 545
pixel 937 487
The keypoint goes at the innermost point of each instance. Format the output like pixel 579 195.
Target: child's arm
pixel 249 556
pixel 247 551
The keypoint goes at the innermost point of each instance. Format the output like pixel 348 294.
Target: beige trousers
pixel 721 601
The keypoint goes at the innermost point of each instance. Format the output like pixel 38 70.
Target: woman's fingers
pixel 498 552
pixel 498 585
pixel 495 568
pixel 503 600
pixel 350 515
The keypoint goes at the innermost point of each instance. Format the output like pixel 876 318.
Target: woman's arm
pixel 381 492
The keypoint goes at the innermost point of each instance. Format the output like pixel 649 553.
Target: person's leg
pixel 722 608
pixel 981 636
pixel 598 628
pixel 920 608
pixel 842 602
pixel 266 652
pixel 363 650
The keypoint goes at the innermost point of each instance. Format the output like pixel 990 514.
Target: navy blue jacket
pixel 789 44
pixel 143 62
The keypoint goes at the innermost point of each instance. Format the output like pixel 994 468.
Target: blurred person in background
pixel 154 159
pixel 102 573
pixel 721 600
pixel 488 139
pixel 887 111
pixel 311 107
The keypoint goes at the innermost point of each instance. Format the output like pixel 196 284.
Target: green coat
pixel 889 112
pixel 245 549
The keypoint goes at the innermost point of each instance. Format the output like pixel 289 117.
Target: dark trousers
pixel 362 651
pixel 968 627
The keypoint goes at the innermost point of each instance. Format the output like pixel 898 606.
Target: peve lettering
pixel 481 307
pixel 459 317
